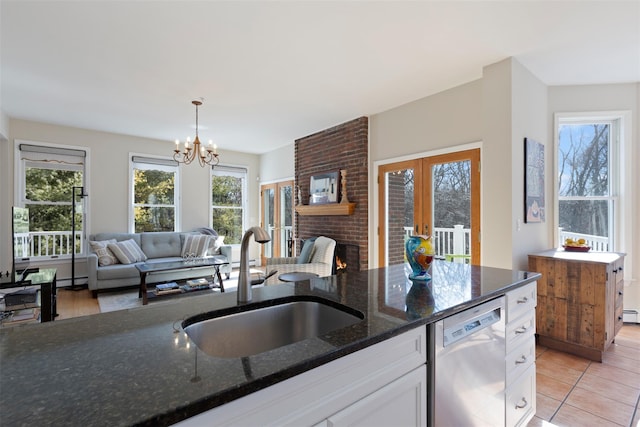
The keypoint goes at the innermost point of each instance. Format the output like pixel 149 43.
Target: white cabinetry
pixel 388 378
pixel 520 367
pixel 401 403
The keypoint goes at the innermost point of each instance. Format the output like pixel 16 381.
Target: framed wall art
pixel 534 208
pixel 324 188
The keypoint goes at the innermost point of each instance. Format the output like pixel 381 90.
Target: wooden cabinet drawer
pixel 520 399
pixel 520 301
pixel 619 293
pixel 520 359
pixel 520 330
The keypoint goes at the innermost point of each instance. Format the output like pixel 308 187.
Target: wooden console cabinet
pixel 580 299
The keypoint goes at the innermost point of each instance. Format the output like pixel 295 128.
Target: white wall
pixel 529 119
pixel 5 208
pixel 278 165
pixel 497 188
pixel 108 179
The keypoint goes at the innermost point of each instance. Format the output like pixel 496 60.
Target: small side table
pixel 46 279
pixel 296 276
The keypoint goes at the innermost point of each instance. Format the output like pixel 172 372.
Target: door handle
pixel 426 229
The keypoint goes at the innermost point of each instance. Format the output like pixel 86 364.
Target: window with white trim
pixel 47 176
pixel 589 179
pixel 228 202
pixel 154 194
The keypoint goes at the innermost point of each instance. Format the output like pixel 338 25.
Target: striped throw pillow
pixel 127 251
pixel 196 245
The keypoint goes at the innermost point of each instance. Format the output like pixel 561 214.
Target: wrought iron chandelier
pixel 206 155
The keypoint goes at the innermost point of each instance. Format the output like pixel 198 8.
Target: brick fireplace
pixel 341 147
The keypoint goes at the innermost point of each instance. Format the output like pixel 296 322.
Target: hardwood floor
pixel 571 391
pixel 76 303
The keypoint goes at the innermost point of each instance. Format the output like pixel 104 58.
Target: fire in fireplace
pixel 347 258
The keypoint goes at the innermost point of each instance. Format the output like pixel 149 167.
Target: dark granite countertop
pixel 131 367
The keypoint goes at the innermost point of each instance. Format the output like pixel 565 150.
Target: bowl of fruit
pixel 576 245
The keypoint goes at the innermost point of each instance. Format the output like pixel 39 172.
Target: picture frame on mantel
pixel 534 207
pixel 324 188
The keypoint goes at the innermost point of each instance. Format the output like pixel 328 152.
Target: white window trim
pixel 229 170
pixel 19 189
pixel 177 189
pixel 623 218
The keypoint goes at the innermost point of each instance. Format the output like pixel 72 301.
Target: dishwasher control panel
pixel 456 332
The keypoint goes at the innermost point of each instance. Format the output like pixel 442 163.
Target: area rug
pixel 122 300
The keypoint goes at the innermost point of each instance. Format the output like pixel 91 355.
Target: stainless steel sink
pixel 259 329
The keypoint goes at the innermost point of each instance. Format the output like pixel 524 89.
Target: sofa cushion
pixel 306 252
pixel 105 256
pixel 324 250
pixel 127 251
pixel 196 244
pixel 118 271
pixel 161 244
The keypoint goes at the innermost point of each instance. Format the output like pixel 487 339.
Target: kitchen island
pixel 137 367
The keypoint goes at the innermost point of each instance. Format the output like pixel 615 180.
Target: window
pixel 589 178
pixel 47 175
pixel 228 189
pixel 154 193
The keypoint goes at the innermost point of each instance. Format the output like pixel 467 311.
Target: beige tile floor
pixel 572 391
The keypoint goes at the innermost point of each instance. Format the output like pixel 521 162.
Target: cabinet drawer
pixel 520 330
pixel 521 399
pixel 619 293
pixel 520 301
pixel 618 320
pixel 519 360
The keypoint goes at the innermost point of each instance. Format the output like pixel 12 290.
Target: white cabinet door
pixel 401 403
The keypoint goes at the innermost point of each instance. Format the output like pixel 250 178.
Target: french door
pixel 437 196
pixel 277 219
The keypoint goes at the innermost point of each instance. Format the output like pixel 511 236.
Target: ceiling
pixel 271 72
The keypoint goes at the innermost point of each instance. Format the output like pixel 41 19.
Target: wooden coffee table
pixel 157 267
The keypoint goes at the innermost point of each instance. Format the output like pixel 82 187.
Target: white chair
pixel 317 256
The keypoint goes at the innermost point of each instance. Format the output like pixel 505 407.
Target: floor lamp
pixel 77 192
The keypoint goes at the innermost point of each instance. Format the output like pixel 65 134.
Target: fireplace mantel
pixel 326 209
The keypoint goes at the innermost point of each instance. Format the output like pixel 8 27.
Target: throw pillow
pixel 105 256
pixel 307 251
pixel 217 244
pixel 196 244
pixel 127 251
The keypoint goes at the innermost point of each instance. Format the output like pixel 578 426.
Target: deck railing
pixel 47 243
pixel 449 242
pixel 597 243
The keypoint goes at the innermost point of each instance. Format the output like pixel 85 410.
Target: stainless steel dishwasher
pixel 469 370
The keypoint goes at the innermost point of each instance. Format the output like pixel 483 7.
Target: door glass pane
pixel 285 232
pixel 451 207
pixel 268 219
pixel 399 207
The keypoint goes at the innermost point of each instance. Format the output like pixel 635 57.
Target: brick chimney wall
pixel 341 147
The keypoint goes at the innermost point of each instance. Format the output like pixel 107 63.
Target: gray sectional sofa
pixel 157 246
